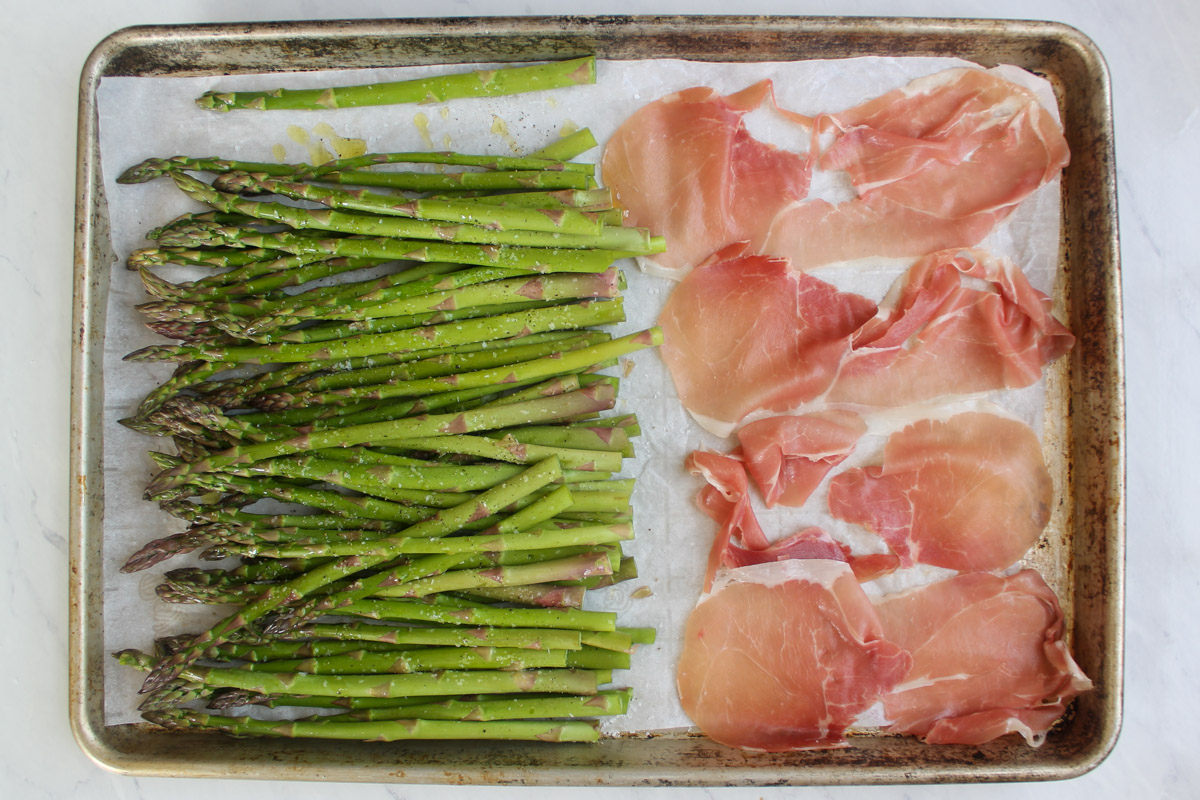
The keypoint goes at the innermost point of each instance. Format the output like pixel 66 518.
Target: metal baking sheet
pixel 1085 400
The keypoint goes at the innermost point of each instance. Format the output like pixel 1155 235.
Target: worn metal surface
pixel 1085 559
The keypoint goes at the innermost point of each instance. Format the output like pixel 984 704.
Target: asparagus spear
pixel 434 89
pixel 508 449
pixel 262 650
pixel 425 659
pixel 572 568
pixel 597 201
pixel 538 368
pixel 383 731
pixel 153 168
pixel 216 259
pixel 604 703
pixel 633 240
pixel 533 638
pixel 486 681
pixel 569 146
pixel 451 362
pixel 537 539
pixel 471 615
pixel 459 181
pixel 554 318
pixel 463 212
pixel 538 595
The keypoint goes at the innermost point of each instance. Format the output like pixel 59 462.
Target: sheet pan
pixel 1085 401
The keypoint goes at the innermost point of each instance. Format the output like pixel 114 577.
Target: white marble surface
pixel 1155 66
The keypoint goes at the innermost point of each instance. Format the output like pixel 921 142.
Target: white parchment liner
pixel 145 117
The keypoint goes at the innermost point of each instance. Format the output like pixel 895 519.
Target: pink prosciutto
pixel 988 659
pixel 740 540
pixel 748 333
pixel 788 456
pixel 686 167
pixel 783 656
pixel 970 493
pixel 725 499
pixel 809 542
pixel 935 164
pixel 960 321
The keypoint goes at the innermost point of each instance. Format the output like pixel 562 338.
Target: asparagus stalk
pixel 619 641
pixel 183 220
pixel 531 638
pixel 363 212
pixel 569 146
pixel 508 449
pixel 406 235
pixel 461 212
pixel 262 651
pixel 153 168
pixel 538 368
pixel 487 681
pixel 215 259
pixel 426 659
pixel 449 363
pixel 540 595
pixel 382 731
pixel 434 89
pixel 537 539
pixel 573 568
pixel 186 375
pixel 460 181
pixel 270 281
pixel 597 201
pixel 222 699
pixel 604 703
pixel 472 615
pixel 584 437
pixel 325 500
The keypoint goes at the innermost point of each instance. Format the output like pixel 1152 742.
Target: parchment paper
pixel 145 117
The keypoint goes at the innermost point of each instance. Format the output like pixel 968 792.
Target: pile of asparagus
pixel 414 369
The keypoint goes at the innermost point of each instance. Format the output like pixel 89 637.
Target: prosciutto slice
pixel 740 540
pixel 789 456
pixel 960 321
pixel 988 659
pixel 686 167
pixel 783 656
pixel 936 164
pixel 811 542
pixel 726 500
pixel 745 333
pixel 971 493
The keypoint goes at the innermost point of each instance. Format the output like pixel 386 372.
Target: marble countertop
pixel 1155 69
